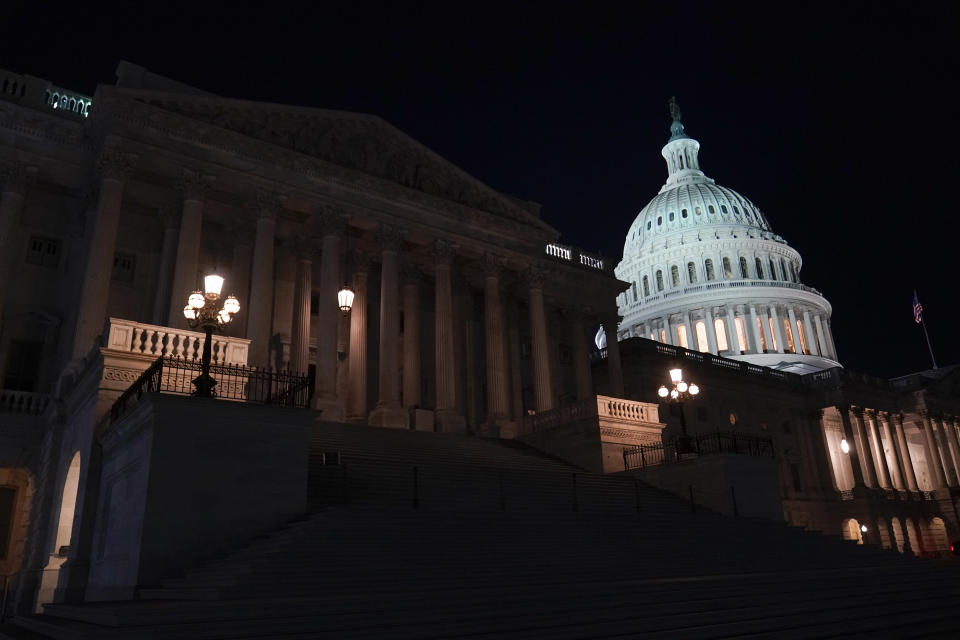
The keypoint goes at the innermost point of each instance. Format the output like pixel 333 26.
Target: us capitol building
pixel 470 318
pixel 707 272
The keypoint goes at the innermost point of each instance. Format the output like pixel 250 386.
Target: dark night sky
pixel 837 121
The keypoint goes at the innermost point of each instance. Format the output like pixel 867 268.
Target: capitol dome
pixel 707 273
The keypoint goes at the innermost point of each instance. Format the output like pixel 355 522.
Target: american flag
pixel 917 309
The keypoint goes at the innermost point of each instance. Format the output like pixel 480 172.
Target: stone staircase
pixel 493 540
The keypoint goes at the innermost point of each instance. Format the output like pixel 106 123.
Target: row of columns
pixel 14 182
pixel 762 328
pixel 880 456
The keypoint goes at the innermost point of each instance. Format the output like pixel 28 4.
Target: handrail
pixel 700 444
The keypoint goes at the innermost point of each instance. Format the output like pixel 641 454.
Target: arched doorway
pixel 16 496
pixel 938 531
pixel 64 531
pixel 851 530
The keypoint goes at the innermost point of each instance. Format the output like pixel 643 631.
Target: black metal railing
pixel 234 382
pixel 699 444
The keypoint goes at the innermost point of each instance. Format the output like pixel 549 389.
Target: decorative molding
pixel 268 203
pixel 193 185
pixel 113 164
pixel 443 252
pixel 390 238
pixel 492 265
pixel 330 223
pixel 410 272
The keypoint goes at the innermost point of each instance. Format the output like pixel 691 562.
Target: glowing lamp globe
pixel 345 299
pixel 212 285
pixel 224 316
pixel 663 392
pixel 196 300
pixel 231 304
pixel 694 389
pixel 844 446
pixel 189 312
pixel 676 375
pixel 674 394
pixel 863 528
pixel 682 387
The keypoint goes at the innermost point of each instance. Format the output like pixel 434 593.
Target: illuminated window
pixel 727 269
pixel 709 269
pixel 803 338
pixel 773 270
pixel 674 276
pixel 702 343
pixel 646 287
pixel 682 336
pixel 720 330
pixel 773 334
pixel 691 272
pixel 663 336
pixel 763 338
pixel 659 280
pixel 759 266
pixel 698 211
pixel 683 213
pixel 788 336
pixel 744 271
pixel 741 334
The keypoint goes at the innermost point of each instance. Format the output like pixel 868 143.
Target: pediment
pixel 357 141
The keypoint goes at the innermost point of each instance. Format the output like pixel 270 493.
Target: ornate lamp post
pixel 345 299
pixel 680 391
pixel 201 312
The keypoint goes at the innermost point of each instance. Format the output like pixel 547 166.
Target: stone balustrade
pixel 627 410
pixel 24 402
pixel 136 337
pixel 603 407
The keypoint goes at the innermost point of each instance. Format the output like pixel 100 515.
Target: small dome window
pixel 708 267
pixel 691 272
pixel 659 280
pixel 683 213
pixel 711 209
pixel 649 223
pixel 674 276
pixel 744 272
pixel 671 216
pixel 736 211
pixel 659 220
pixel 723 208
pixel 646 287
pixel 759 266
pixel 698 211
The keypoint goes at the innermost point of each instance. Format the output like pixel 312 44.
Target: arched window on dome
pixel 783 269
pixel 793 273
pixel 649 224
pixel 674 276
pixel 721 331
pixel 691 272
pixel 659 220
pixel 701 330
pixel 744 271
pixel 682 336
pixel 803 339
pixel 727 269
pixel 711 209
pixel 759 266
pixel 659 280
pixel 698 211
pixel 773 270
pixel 672 215
pixel 736 212
pixel 681 162
pixel 708 267
pixel 646 287
pixel 723 209
pixel 683 213
pixel 634 286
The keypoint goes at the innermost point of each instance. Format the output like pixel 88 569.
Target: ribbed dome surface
pixel 686 206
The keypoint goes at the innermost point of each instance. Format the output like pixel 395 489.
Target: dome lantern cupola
pixel 681 153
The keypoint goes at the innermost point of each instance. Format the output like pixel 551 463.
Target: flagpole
pixel 930 348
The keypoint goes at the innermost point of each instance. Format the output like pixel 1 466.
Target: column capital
pixel 409 272
pixel 241 232
pixel 193 185
pixel 267 204
pixel 17 178
pixel 390 238
pixel 359 261
pixel 304 247
pixel 533 277
pixel 492 265
pixel 443 252
pixel 330 223
pixel 114 164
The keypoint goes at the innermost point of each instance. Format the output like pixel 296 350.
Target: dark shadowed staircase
pixel 418 535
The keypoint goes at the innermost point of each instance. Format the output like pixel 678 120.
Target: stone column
pixel 797 342
pixel 411 336
pixel 711 332
pixel 542 382
pixel 755 331
pixel 667 330
pixel 827 477
pixel 193 187
pixel 239 283
pixel 113 167
pixel 943 446
pixel 765 328
pixel 170 221
pixel 828 333
pixel 910 479
pixel 498 393
pixel 880 459
pixel 862 462
pixel 811 338
pixel 332 228
pixel 933 458
pixel 950 434
pixel 733 340
pixel 14 182
pixel 304 249
pixel 781 346
pixel 357 393
pixel 581 356
pixel 897 475
pixel 388 412
pixel 821 341
pixel 692 343
pixel 614 366
pixel 261 279
pixel 448 419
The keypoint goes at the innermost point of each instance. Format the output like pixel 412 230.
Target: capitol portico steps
pixel 538 569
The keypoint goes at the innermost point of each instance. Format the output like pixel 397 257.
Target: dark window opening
pixel 124 267
pixel 23 365
pixel 8 497
pixel 314 304
pixel 44 252
pixel 795 476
